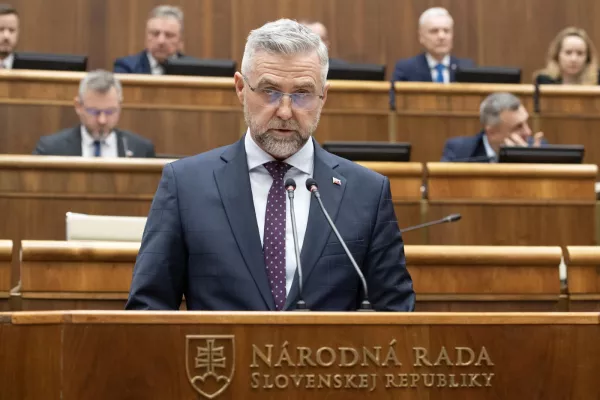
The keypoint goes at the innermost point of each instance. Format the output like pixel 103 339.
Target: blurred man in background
pixel 164 41
pixel 98 106
pixel 504 121
pixel 9 35
pixel 436 64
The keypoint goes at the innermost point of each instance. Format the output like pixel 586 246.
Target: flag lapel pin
pixel 336 181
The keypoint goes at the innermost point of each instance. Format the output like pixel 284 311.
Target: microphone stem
pixel 343 243
pixel 425 225
pixel 296 251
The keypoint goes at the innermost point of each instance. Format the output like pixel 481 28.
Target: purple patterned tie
pixel 274 233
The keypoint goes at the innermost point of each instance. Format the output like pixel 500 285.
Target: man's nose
pixel 284 110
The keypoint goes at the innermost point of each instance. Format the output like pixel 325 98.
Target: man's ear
pixel 77 104
pixel 239 84
pixel 325 90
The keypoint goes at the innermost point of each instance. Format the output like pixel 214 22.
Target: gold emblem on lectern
pixel 210 363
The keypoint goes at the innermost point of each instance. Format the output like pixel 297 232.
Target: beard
pixel 280 147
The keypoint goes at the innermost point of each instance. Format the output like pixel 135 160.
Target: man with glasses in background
pixel 98 105
pixel 219 229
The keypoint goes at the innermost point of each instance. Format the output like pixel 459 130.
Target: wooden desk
pixel 145 355
pixel 583 277
pixel 36 192
pixel 5 281
pixel 60 275
pixel 512 204
pixel 485 278
pixel 181 115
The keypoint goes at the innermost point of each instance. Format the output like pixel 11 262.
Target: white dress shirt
pixel 7 63
pixel 155 67
pixel 432 62
pixel 108 147
pixel 488 150
pixel 260 182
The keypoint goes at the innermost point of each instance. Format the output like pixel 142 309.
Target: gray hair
pixel 285 37
pixel 494 105
pixel 434 12
pixel 100 81
pixel 168 12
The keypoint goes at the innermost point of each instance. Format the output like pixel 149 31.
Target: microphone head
pixel 311 185
pixel 453 217
pixel 290 184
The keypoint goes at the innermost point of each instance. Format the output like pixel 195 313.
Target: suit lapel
pixel 233 183
pixel 120 148
pixel 73 146
pixel 317 228
pixel 145 63
pixel 424 68
pixel 453 67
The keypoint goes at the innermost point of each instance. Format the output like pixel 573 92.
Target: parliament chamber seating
pixel 189 115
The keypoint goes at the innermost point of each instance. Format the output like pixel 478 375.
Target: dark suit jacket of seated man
pixel 417 69
pixel 68 142
pixel 471 149
pixel 135 64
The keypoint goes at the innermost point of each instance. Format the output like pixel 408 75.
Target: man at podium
pixel 220 227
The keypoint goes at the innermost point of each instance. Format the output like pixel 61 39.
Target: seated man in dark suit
pixel 164 40
pixel 98 106
pixel 219 229
pixel 436 64
pixel 504 121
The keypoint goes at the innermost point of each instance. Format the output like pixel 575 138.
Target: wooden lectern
pixel 189 356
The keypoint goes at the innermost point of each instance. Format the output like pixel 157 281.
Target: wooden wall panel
pixel 502 32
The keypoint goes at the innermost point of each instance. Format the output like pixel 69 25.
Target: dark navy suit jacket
pixel 465 149
pixel 469 149
pixel 416 69
pixel 134 64
pixel 201 240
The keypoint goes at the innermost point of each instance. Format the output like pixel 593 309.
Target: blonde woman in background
pixel 572 60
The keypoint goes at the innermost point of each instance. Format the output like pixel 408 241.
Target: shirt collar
pixel 488 148
pixel 8 61
pixel 432 62
pixel 302 160
pixel 88 140
pixel 153 62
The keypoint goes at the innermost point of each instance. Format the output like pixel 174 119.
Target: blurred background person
pixel 9 35
pixel 436 64
pixel 505 122
pixel 164 40
pixel 572 60
pixel 320 29
pixel 98 105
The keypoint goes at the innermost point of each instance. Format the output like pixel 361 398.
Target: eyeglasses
pixel 96 112
pixel 304 101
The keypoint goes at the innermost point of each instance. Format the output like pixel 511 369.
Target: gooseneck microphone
pixel 449 218
pixel 290 187
pixel 312 187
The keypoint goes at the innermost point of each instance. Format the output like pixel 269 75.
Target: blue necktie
pixel 440 73
pixel 97 145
